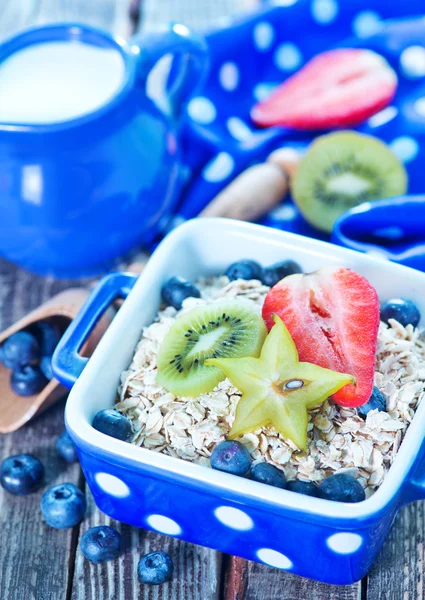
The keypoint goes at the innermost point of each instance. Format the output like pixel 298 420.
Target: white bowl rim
pixel 82 431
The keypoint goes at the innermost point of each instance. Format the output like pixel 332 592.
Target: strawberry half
pixel 333 318
pixel 339 88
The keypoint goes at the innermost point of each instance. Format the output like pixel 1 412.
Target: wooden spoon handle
pixel 251 195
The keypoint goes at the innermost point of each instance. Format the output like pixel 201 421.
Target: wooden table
pixel 39 563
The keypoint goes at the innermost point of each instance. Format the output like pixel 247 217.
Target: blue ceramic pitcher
pixel 77 194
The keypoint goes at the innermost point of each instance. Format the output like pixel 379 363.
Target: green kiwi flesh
pixel 226 329
pixel 340 171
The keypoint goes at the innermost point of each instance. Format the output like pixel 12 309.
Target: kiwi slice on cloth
pixel 340 171
pixel 224 329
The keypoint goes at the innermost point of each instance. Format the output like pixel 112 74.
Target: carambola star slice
pixel 277 389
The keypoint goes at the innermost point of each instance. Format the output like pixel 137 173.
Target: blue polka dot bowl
pixel 253 54
pixel 327 541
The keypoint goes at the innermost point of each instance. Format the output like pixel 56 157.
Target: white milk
pixel 58 81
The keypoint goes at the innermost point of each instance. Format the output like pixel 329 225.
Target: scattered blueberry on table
pixel 231 457
pixel 155 568
pixel 273 274
pixel 307 488
pixel 244 269
pixel 20 349
pixel 27 380
pixel 341 487
pixel 101 543
pixel 269 474
pixel 63 506
pixel 113 423
pixel 404 311
pixel 177 289
pixel 21 474
pixel 376 401
pixel 66 448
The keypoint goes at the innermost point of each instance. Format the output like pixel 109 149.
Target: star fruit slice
pixel 277 389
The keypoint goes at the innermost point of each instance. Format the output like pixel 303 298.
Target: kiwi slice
pixel 224 329
pixel 340 171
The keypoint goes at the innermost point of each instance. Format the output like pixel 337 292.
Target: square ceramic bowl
pixel 323 540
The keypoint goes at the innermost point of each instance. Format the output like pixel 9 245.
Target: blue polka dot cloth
pixel 250 57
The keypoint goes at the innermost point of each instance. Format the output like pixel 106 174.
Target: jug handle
pixel 190 60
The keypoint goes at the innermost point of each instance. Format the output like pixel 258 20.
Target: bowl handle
pixel 189 67
pixel 67 363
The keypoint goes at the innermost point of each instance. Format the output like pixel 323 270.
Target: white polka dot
pixel 405 148
pixel 219 168
pixel 164 525
pixel 202 110
pixel 229 76
pixel 234 518
pixel 264 35
pixel 377 253
pixel 238 129
pixel 263 90
pixel 419 107
pixel 324 11
pixel 274 559
pixel 366 23
pixel 288 57
pixel 383 116
pixel 287 212
pixel 344 543
pixel 283 2
pixel 112 485
pixel 412 62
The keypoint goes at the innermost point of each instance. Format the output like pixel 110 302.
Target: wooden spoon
pixel 16 410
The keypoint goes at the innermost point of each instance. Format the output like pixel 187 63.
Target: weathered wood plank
pixel 34 559
pixel 252 581
pixel 196 574
pixel 398 574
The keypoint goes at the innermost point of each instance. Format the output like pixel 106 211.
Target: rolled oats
pixel 338 439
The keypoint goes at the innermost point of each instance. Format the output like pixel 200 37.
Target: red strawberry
pixel 333 317
pixel 339 88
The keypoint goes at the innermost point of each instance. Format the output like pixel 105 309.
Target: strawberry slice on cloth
pixel 333 318
pixel 339 88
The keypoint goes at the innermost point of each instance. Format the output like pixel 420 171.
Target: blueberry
pixel 303 487
pixel 177 289
pixel 403 311
pixel 268 474
pixel 48 334
pixel 231 457
pixel 21 474
pixel 377 400
pixel 27 380
pixel 155 568
pixel 273 274
pixel 20 349
pixel 113 423
pixel 244 269
pixel 341 488
pixel 66 448
pixel 101 543
pixel 63 506
pixel 46 367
